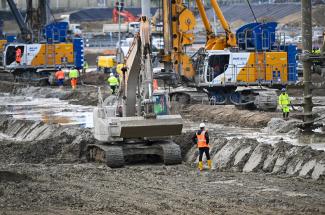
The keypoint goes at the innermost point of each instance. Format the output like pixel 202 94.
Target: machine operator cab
pixel 161 102
pixel 10 55
pixel 223 67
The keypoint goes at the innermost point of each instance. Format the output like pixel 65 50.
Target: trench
pixel 44 130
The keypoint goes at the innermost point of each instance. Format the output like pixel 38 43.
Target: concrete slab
pixel 256 160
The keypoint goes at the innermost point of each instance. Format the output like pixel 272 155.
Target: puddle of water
pixel 48 110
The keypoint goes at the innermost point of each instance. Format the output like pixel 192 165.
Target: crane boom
pixel 204 18
pixel 231 38
pixel 216 42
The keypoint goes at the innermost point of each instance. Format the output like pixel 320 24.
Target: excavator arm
pixel 137 86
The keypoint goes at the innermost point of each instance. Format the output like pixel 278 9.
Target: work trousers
pixel 60 82
pixel 204 150
pixel 73 82
pixel 285 111
pixel 113 88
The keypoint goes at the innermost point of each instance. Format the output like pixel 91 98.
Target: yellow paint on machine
pixel 106 61
pixel 2 45
pixel 54 54
pixel 265 66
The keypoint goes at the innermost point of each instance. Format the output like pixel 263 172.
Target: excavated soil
pixel 228 115
pixel 43 169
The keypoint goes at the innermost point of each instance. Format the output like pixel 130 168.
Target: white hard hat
pixel 202 125
pixel 111 74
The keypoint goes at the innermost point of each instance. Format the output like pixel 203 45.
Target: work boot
pixel 200 165
pixel 209 164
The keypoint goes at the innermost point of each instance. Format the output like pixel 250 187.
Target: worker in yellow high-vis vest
pixel 73 75
pixel 113 82
pixel 284 102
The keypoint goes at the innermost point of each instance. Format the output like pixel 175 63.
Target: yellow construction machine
pixel 44 45
pixel 231 68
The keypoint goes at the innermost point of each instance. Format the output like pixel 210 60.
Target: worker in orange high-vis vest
pixel 18 55
pixel 59 75
pixel 201 138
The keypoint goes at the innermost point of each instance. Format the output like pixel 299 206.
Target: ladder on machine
pixel 50 54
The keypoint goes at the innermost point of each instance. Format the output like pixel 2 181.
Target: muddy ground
pixel 45 171
pixel 151 189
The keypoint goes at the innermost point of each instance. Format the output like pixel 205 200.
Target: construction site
pixel 106 107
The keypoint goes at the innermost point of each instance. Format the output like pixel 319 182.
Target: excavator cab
pixel 161 103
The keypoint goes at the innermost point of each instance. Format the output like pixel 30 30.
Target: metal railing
pixel 269 41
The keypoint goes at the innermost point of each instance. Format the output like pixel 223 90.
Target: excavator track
pixel 114 155
pixel 171 153
pixel 27 77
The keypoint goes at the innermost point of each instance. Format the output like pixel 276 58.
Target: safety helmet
pixel 111 74
pixel 283 89
pixel 202 125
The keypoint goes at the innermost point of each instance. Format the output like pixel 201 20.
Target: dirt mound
pixel 37 142
pixel 228 115
pixel 95 78
pixel 280 125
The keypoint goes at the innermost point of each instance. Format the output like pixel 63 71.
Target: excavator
pixel 126 15
pixel 136 122
pixel 44 45
pixel 231 68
